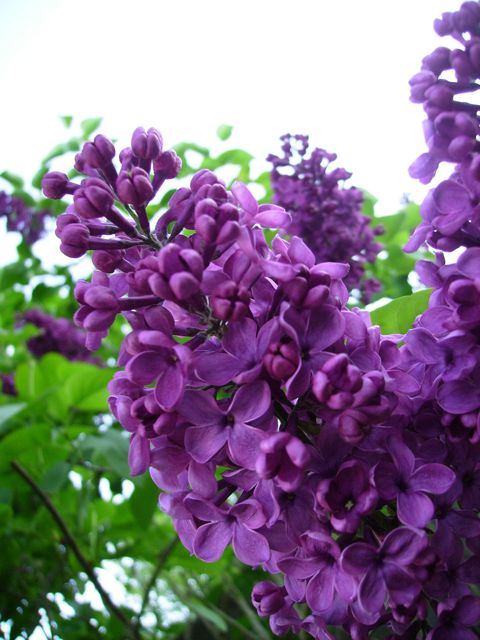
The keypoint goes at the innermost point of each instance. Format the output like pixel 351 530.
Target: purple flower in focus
pixel 384 570
pixel 407 483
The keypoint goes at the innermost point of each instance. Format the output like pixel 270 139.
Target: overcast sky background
pixel 338 71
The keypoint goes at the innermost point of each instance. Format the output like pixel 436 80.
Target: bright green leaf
pixel 90 125
pixel 11 178
pixel 398 316
pixel 224 131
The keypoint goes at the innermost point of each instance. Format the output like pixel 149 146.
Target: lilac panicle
pixel 271 416
pixel 325 214
pixel 57 335
pixel 22 218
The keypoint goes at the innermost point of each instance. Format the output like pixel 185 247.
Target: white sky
pixel 336 70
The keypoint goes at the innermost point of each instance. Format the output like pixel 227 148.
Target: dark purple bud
pixel 147 144
pixel 99 153
pixel 167 165
pixel 94 199
pixel 107 261
pixel 281 359
pixel 56 185
pixel 230 301
pixel 134 188
pixel 284 458
pixel 75 240
pixel 268 598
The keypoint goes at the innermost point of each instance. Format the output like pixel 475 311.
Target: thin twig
pixel 72 543
pixel 162 559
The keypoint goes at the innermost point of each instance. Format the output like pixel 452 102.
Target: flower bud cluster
pixel 325 214
pixel 272 417
pixel 446 87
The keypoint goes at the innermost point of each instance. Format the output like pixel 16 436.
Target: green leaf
pixel 56 477
pixel 8 411
pixel 109 449
pixel 14 180
pixel 67 120
pixel 204 612
pixel 369 202
pixel 398 316
pixel 143 502
pixel 90 125
pixel 224 131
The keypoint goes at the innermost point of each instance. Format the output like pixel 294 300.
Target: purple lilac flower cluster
pixel 446 86
pixel 58 335
pixel 325 214
pixel 21 218
pixel 274 419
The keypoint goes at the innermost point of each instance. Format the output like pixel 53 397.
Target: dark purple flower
pixel 407 483
pixel 384 570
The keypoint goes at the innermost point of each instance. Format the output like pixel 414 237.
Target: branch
pixel 162 559
pixel 72 543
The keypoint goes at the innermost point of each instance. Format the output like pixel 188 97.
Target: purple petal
pixel 372 591
pixel 469 262
pixel 273 217
pixel 358 558
pixel 201 478
pixel 300 568
pixel 146 366
pixel 299 382
pixel 468 610
pixel 138 455
pixel 402 456
pixel 403 545
pixel 211 539
pixel 200 408
pixel 203 443
pixel 244 445
pixel 244 197
pixel 414 509
pixel 434 478
pixel 459 396
pixel 216 368
pixel 424 346
pixel 402 587
pixel 250 547
pixel 326 326
pixel 385 476
pixel 250 402
pixel 170 386
pixel 240 339
pixel 321 590
pixel 298 252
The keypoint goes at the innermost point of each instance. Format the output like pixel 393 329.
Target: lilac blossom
pixel 273 418
pixel 22 218
pixel 58 335
pixel 325 214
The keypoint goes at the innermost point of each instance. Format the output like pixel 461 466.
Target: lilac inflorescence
pixel 272 417
pixel 57 335
pixel 325 213
pixel 446 87
pixel 22 218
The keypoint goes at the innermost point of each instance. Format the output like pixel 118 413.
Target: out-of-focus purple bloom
pixel 325 214
pixel 8 384
pixel 22 218
pixel 58 335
